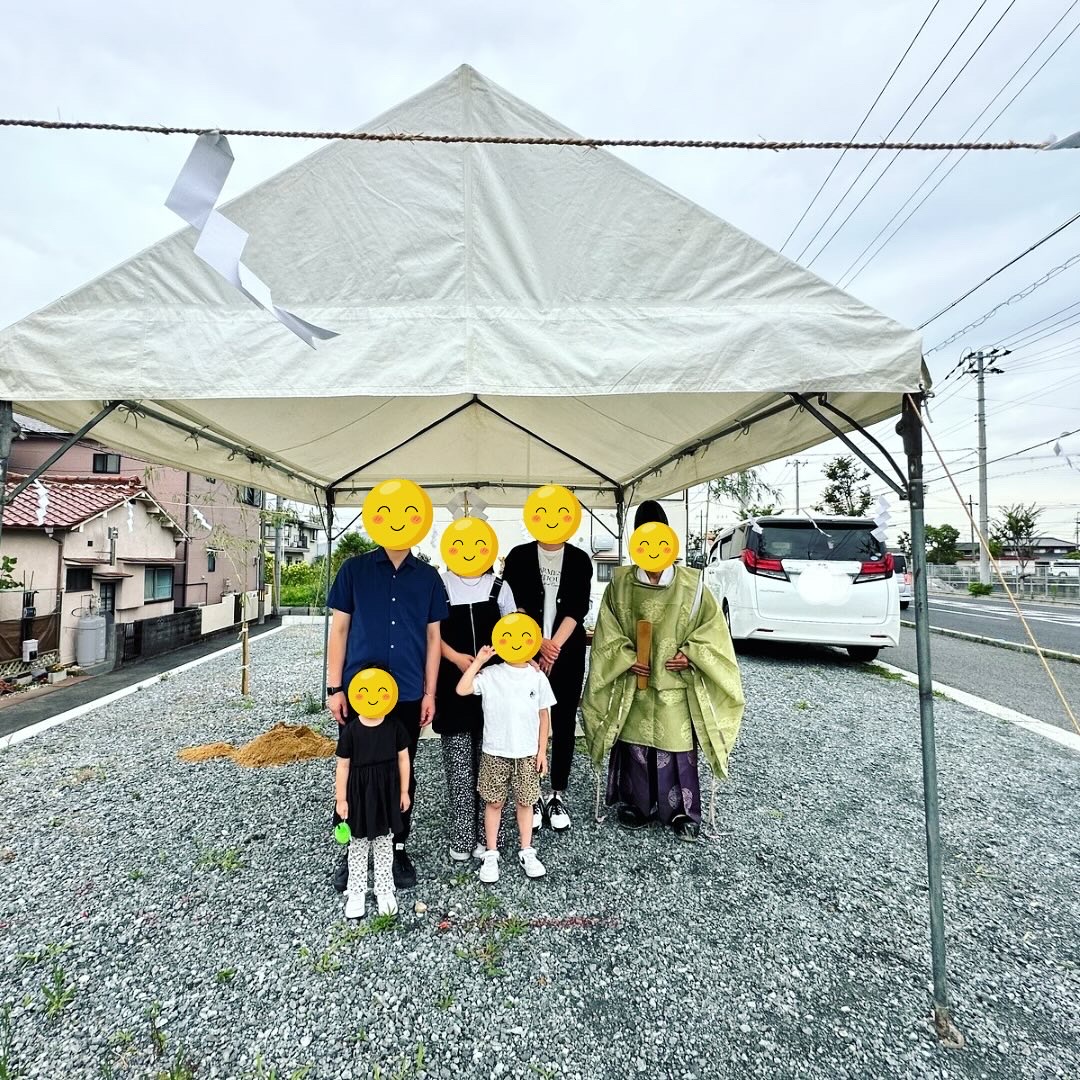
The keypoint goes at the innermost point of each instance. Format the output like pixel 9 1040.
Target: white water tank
pixel 89 640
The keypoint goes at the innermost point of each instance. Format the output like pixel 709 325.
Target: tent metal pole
pixel 910 429
pixel 326 592
pixel 7 433
pixel 620 519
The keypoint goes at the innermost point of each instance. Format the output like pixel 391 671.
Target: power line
pixel 1000 270
pixel 907 109
pixel 862 122
pixel 1031 326
pixel 892 161
pixel 845 280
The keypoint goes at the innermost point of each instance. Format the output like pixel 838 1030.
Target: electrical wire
pixel 918 127
pixel 1023 294
pixel 845 281
pixel 862 123
pixel 907 109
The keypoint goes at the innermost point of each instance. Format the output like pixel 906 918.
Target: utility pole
pixel 981 364
pixel 797 463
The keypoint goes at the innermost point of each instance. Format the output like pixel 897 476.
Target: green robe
pixel 702 704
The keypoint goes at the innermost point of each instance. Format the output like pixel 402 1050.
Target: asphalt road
pixel 1055 626
pixel 1004 676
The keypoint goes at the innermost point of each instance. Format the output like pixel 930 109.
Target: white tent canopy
pixel 509 316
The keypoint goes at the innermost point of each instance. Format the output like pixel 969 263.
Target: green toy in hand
pixel 342 833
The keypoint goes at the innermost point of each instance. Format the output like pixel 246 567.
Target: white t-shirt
pixel 513 698
pixel 474 590
pixel 551 575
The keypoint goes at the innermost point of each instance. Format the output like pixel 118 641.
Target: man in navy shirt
pixel 387 606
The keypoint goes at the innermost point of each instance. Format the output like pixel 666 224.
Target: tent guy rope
pixel 538 140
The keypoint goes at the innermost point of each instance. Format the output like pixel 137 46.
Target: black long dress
pixel 374 787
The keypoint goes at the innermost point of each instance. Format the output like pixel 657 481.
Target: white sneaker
pixel 387 903
pixel 532 866
pixel 459 856
pixel 489 868
pixel 557 816
pixel 479 851
pixel 538 817
pixel 355 904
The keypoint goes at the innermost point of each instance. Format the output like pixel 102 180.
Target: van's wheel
pixel 865 653
pixel 905 604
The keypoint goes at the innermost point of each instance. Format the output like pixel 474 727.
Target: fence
pixel 1039 583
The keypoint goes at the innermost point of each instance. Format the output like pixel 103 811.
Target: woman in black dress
pixel 372 792
pixel 476 605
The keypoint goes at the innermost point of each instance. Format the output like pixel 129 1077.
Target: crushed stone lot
pixel 163 919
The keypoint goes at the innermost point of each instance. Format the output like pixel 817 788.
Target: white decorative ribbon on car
pixel 221 242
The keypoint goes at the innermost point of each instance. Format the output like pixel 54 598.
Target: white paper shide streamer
pixel 221 242
pixel 1058 452
pixel 882 519
pixel 130 515
pixel 42 502
pixel 197 514
pixel 467 503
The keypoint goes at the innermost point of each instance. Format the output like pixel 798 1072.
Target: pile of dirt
pixel 282 744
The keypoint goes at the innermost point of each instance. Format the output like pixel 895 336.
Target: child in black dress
pixel 372 791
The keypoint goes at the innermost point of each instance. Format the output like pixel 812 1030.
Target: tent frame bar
pixel 901 488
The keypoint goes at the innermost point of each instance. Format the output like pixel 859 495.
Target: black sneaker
pixel 685 829
pixel 404 871
pixel 629 817
pixel 341 873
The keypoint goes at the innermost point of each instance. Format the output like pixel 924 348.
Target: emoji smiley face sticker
pixel 469 547
pixel 373 693
pixel 397 514
pixel 552 514
pixel 516 638
pixel 654 546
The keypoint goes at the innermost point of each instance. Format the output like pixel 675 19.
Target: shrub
pixel 977 588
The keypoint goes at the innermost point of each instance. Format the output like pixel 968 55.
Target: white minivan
pixel 827 581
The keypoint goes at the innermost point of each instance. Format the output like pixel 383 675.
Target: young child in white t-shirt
pixel 517 700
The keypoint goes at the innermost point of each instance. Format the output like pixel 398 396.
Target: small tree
pixel 847 494
pixel 941 544
pixel 745 489
pixel 1015 531
pixel 7 573
pixel 903 542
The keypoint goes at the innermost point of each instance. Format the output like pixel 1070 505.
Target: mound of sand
pixel 282 744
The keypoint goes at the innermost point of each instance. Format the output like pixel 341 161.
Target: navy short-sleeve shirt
pixel 389 613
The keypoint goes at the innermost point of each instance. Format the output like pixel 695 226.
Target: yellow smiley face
pixel 516 638
pixel 654 546
pixel 373 693
pixel 552 514
pixel 469 547
pixel 397 514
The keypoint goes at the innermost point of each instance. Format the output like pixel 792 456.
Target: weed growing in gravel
pixel 86 773
pixel 262 1072
pixel 158 1039
pixel 404 1069
pixel 327 962
pixel 224 859
pixel 9 1070
pixel 543 1072
pixel 312 705
pixel 182 1068
pixel 225 976
pixel 247 703
pixel 881 673
pixel 497 934
pixel 47 952
pixel 446 999
pixel 462 877
pixel 136 875
pixel 802 705
pixel 123 1039
pixel 58 995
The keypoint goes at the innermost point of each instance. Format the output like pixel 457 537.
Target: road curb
pixel 1001 643
pixel 1061 736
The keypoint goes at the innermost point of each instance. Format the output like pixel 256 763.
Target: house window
pixel 250 496
pixel 80 579
pixel 158 583
pixel 603 571
pixel 211 561
pixel 106 463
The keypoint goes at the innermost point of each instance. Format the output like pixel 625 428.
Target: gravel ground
pixel 171 915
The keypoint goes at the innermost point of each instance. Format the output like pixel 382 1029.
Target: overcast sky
pixel 72 205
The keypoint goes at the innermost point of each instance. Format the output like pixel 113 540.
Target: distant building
pixel 82 544
pixel 221 523
pixel 1044 549
pixel 300 542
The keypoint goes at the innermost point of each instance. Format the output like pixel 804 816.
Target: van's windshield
pixel 831 542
